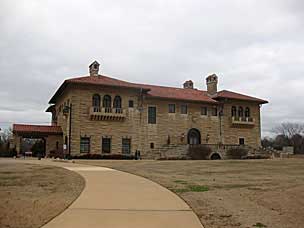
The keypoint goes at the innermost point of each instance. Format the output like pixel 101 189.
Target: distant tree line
pixel 287 134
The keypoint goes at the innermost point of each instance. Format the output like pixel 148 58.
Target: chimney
pixel 94 68
pixel 212 81
pixel 188 84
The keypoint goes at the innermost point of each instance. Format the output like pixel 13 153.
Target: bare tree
pixel 289 129
pixel 6 135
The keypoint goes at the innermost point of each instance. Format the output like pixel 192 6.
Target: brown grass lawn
pixel 31 195
pixel 231 193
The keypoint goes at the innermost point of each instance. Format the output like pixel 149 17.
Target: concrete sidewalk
pixel 114 199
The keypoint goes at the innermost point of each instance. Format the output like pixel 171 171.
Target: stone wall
pixel 213 129
pixel 250 133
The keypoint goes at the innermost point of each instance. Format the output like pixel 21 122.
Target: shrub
pixel 237 153
pixel 199 152
pixel 56 154
pixel 172 158
pixel 105 156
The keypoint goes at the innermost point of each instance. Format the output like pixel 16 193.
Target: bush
pixel 105 156
pixel 173 158
pixel 237 153
pixel 8 153
pixel 199 152
pixel 56 154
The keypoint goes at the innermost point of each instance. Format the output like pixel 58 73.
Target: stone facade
pixel 214 121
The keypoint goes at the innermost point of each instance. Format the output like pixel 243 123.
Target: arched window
pixel 247 112
pixel 117 102
pixel 96 101
pixel 106 103
pixel 233 111
pixel 241 111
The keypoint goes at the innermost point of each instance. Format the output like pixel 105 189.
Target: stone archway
pixel 194 136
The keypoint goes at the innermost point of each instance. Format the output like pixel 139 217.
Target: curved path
pixel 115 199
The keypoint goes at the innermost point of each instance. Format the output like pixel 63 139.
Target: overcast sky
pixel 255 47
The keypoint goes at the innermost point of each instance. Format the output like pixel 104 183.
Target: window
pixel 233 111
pixel 184 109
pixel 171 108
pixel 96 101
pixel 84 145
pixel 117 102
pixel 106 103
pixel 57 145
pixel 241 141
pixel 152 115
pixel 106 145
pixel 247 112
pixel 126 146
pixel 204 111
pixel 131 103
pixel 151 145
pixel 241 112
pixel 214 111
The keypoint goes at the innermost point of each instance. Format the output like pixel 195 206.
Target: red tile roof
pixel 151 90
pixel 238 96
pixel 25 128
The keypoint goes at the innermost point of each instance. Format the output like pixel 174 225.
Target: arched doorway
pixel 194 137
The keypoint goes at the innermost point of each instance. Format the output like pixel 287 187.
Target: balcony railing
pixel 235 120
pixel 100 113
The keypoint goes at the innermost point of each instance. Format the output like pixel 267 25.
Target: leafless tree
pixel 289 129
pixel 5 135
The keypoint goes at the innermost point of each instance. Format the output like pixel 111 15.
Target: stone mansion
pixel 98 114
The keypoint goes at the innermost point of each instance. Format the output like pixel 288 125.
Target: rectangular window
pixel 184 109
pixel 214 111
pixel 152 115
pixel 204 111
pixel 131 103
pixel 171 108
pixel 126 146
pixel 241 141
pixel 106 145
pixel 84 145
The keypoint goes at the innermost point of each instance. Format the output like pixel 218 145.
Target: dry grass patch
pixel 231 193
pixel 31 195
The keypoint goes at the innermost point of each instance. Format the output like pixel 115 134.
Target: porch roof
pixel 36 129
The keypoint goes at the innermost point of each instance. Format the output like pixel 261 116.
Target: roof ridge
pixel 135 83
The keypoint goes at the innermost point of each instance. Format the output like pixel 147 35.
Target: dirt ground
pixel 31 195
pixel 231 193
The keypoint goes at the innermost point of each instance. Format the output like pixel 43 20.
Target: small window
pixel 126 146
pixel 204 111
pixel 84 145
pixel 152 145
pixel 184 109
pixel 106 103
pixel 241 112
pixel 171 108
pixel 96 100
pixel 106 145
pixel 241 141
pixel 214 111
pixel 117 102
pixel 131 103
pixel 152 115
pixel 247 112
pixel 233 111
pixel 57 145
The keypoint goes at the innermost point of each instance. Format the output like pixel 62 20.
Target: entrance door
pixel 194 137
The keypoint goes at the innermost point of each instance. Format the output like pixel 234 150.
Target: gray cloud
pixel 254 46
